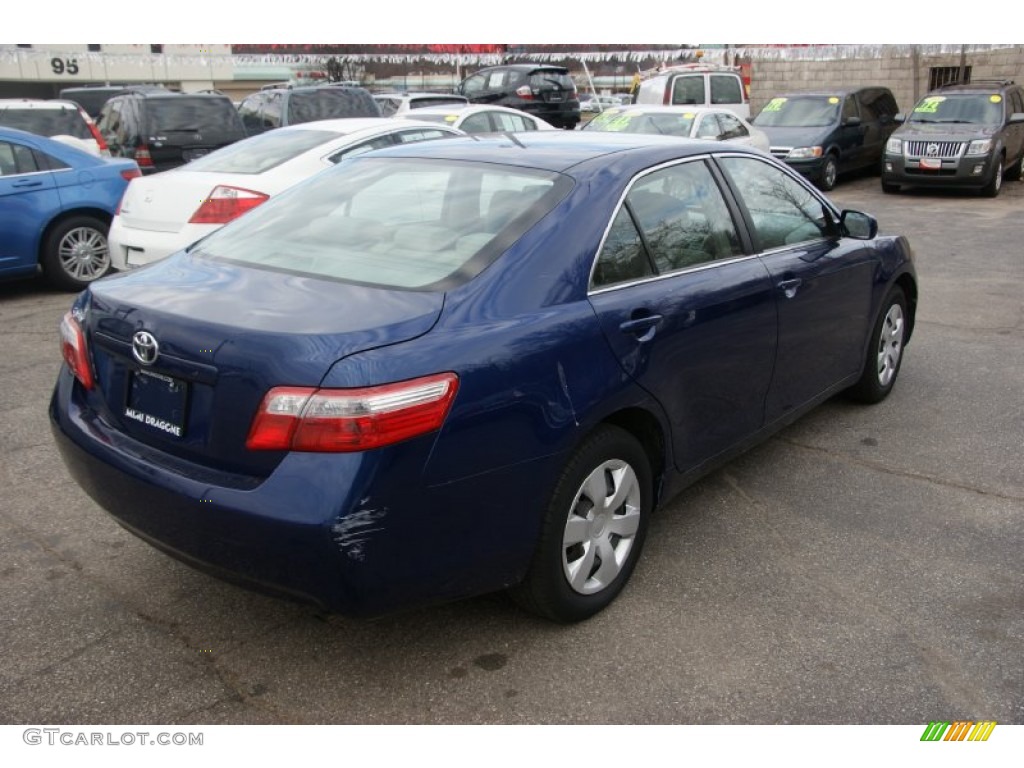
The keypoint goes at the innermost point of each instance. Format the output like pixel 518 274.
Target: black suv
pixel 827 132
pixel 277 107
pixel 544 91
pixel 161 130
pixel 966 136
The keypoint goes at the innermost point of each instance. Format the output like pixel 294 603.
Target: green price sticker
pixel 774 105
pixel 930 104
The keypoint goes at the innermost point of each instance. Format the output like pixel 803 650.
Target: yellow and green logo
pixel 958 730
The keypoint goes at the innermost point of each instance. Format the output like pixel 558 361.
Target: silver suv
pixel 968 136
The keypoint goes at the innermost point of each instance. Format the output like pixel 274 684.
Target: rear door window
pixel 726 89
pixel 688 89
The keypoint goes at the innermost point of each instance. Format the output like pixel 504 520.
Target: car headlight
pixel 802 153
pixel 979 147
pixel 894 146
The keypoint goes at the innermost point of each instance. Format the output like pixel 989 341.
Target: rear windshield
pixel 329 103
pixel 632 120
pixel 799 112
pixel 396 223
pixel 261 153
pixel 196 115
pixel 550 80
pixel 983 108
pixel 47 122
pixel 420 102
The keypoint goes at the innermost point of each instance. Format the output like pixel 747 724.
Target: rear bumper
pixel 131 247
pixel 353 533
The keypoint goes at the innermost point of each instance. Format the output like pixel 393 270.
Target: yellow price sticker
pixel 451 118
pixel 833 100
pixel 995 98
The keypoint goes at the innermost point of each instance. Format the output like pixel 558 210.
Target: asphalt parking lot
pixel 863 566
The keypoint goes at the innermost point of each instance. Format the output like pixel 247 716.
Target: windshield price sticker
pixel 930 104
pixel 833 100
pixel 774 105
pixel 995 98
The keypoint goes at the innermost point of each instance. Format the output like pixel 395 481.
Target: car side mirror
pixel 859 226
pixel 900 117
pixel 852 121
pixel 1017 117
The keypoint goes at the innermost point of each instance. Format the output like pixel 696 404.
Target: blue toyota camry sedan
pixel 456 367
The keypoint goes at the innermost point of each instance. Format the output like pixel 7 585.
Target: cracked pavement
pixel 863 566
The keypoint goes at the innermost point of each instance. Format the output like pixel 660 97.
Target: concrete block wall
pixel 903 69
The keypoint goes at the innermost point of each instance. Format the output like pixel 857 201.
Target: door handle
pixel 789 287
pixel 643 328
pixel 27 183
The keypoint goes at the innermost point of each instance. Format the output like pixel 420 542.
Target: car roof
pixel 346 125
pixel 38 104
pixel 667 108
pixel 980 86
pixel 841 90
pixel 560 150
pixel 525 67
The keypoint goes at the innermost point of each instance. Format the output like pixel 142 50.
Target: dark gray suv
pixel 967 136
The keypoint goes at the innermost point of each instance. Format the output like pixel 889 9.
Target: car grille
pixel 780 152
pixel 949 150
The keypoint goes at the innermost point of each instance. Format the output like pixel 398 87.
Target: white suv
pixel 62 121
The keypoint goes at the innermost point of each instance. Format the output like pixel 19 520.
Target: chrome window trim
pixel 816 193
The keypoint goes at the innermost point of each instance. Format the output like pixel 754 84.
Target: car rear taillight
pixel 347 420
pixel 100 141
pixel 142 156
pixel 524 92
pixel 226 203
pixel 74 351
pixel 667 98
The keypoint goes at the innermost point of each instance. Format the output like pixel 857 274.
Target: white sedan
pixel 480 118
pixel 717 124
pixel 168 211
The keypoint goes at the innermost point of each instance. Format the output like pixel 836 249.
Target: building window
pixel 94 47
pixel 156 49
pixel 939 76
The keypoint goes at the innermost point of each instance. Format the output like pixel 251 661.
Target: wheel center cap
pixel 598 526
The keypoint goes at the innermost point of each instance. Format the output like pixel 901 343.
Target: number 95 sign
pixel 64 66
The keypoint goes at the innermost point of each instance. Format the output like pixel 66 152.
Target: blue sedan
pixel 464 366
pixel 56 204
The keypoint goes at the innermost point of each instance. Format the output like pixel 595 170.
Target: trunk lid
pixel 223 335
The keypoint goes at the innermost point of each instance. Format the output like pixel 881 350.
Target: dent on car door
pixel 822 282
pixel 28 200
pixel 690 318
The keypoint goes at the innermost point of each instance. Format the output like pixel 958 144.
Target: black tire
pixel 615 458
pixel 996 182
pixel 829 173
pixel 885 350
pixel 75 252
pixel 889 188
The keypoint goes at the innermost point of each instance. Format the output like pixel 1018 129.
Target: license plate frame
pixel 157 402
pixel 931 163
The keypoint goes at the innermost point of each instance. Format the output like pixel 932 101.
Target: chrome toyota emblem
pixel 144 347
pixel 932 150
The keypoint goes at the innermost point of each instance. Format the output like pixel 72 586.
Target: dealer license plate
pixel 157 402
pixel 931 163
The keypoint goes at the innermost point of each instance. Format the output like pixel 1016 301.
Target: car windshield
pixel 799 112
pixel 196 115
pixel 327 103
pixel 638 121
pixel 391 222
pixel 981 108
pixel 64 121
pixel 261 153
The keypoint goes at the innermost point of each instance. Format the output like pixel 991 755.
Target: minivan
pixel 277 107
pixel 824 133
pixel 700 85
pixel 161 130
